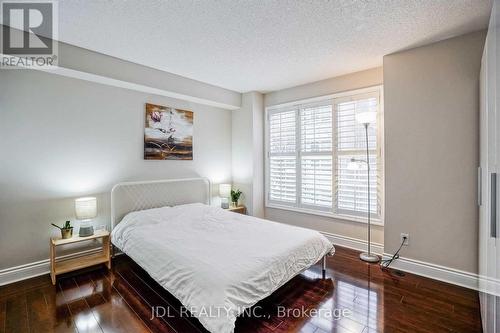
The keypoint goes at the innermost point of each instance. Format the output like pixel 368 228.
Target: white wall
pixel 86 61
pixel 357 230
pixel 357 80
pixel 431 151
pixel 248 152
pixel 242 148
pixel 63 138
pixel 258 154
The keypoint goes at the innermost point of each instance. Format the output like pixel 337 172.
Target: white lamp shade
pixel 86 208
pixel 224 190
pixel 368 117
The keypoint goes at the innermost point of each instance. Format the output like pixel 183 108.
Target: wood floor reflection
pixel 360 298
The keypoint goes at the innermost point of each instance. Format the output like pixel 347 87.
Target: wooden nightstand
pixel 238 209
pixel 65 266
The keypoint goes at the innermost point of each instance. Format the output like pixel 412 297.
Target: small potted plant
pixel 235 196
pixel 66 230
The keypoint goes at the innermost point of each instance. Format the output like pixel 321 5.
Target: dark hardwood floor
pixel 360 298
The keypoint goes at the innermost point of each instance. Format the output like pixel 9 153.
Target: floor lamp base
pixel 369 257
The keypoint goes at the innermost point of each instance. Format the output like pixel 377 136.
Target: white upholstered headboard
pixel 133 196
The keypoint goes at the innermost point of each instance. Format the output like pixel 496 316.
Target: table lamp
pixel 85 211
pixel 224 193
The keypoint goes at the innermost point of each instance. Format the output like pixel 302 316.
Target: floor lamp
pixel 366 118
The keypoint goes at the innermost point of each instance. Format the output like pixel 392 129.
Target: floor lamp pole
pixel 368 256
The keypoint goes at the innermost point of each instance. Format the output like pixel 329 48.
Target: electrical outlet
pixel 406 238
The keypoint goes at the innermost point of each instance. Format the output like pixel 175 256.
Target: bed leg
pixel 323 268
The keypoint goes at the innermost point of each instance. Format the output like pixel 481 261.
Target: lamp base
pixel 86 231
pixel 369 257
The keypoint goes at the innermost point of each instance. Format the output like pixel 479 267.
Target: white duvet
pixel 217 263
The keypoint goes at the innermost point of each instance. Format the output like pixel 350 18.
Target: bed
pixel 215 262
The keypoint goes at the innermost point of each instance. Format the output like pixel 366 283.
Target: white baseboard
pixel 436 272
pixel 353 243
pixel 432 271
pixel 37 268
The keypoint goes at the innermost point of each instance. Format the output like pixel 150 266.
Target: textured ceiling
pixel 246 45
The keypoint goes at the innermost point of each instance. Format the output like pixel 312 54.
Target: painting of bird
pixel 168 133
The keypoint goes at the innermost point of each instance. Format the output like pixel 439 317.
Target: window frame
pixel 307 209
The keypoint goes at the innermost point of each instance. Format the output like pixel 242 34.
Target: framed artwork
pixel 168 133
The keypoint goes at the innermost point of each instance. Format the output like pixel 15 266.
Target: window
pixel 282 161
pixel 310 146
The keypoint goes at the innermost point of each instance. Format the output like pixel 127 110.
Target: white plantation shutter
pixel 316 128
pixel 316 184
pixel 351 190
pixel 351 185
pixel 316 156
pixel 309 150
pixel 282 156
pixel 283 178
pixel 282 132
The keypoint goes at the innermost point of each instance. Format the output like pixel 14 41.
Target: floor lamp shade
pixel 86 210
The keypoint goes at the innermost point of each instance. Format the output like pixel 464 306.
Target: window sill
pixel 348 218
